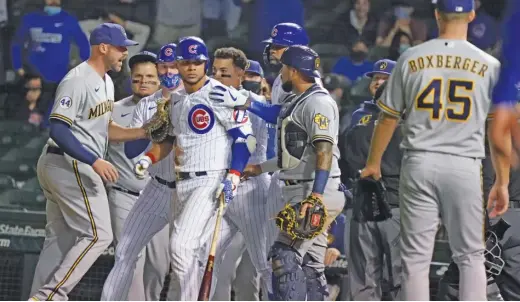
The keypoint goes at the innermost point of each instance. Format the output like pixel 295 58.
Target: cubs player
pixel 212 147
pixel 445 86
pixel 72 170
pixel 147 224
pixel 308 162
pixel 247 214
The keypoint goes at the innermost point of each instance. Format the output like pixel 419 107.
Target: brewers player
pixel 445 86
pixel 308 162
pixel 147 223
pixel 72 171
pixel 213 144
pixel 247 214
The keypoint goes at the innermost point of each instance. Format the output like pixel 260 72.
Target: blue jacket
pixel 48 41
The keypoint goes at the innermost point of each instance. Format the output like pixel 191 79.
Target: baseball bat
pixel 205 286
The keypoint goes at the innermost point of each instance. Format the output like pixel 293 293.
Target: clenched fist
pixel 141 167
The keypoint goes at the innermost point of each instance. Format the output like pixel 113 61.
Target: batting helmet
pixel 192 48
pixel 303 58
pixel 284 34
pixel 288 34
pixel 167 53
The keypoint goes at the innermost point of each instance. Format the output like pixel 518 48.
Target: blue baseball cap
pixel 112 34
pixel 455 6
pixel 254 67
pixel 384 66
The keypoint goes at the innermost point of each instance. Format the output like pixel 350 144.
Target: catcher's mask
pixel 493 255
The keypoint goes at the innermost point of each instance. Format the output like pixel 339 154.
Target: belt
pixel 126 191
pixel 293 182
pixel 169 184
pixel 189 175
pixel 54 150
pixel 514 204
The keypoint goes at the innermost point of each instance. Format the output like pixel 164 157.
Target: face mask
pixel 358 56
pixel 170 81
pixel 252 86
pixel 287 86
pixel 52 10
pixel 403 47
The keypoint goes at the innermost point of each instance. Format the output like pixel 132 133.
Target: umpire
pixel 373 246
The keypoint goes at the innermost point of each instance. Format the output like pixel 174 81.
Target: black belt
pixel 514 204
pixel 169 184
pixel 126 191
pixel 54 150
pixel 293 182
pixel 189 175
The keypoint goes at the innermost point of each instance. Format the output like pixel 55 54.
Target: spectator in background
pixel 401 20
pixel 220 17
pixel 358 24
pixel 400 43
pixel 336 87
pixel 355 65
pixel 139 32
pixel 176 19
pixel 47 36
pixel 30 104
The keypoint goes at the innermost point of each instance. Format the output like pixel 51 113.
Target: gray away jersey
pixel 122 115
pixel 85 102
pixel 319 116
pixel 444 87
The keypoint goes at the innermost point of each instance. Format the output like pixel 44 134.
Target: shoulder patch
pixel 240 116
pixel 322 121
pixel 365 119
pixel 201 119
pixel 65 102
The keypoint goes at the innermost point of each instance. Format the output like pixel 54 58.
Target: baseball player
pixel 445 87
pixel 247 214
pixel 308 162
pixel 213 144
pixel 72 170
pixel 147 224
pixel 373 246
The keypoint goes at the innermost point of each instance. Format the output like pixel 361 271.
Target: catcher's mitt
pixel 157 127
pixel 303 227
pixel 370 202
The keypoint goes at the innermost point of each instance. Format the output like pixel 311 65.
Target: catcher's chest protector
pixel 292 137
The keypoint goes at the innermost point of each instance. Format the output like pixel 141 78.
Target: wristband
pixel 152 157
pixel 320 181
pixel 235 172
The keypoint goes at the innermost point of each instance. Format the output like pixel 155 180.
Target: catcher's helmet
pixel 192 48
pixel 167 53
pixel 288 34
pixel 302 58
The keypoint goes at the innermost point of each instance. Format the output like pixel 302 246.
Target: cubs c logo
pixel 201 119
pixel 240 116
pixel 193 49
pixel 168 52
pixel 274 32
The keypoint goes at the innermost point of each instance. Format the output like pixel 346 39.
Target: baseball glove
pixel 157 127
pixel 370 202
pixel 303 227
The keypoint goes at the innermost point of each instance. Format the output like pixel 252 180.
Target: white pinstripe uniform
pixel 204 146
pixel 150 216
pixel 248 214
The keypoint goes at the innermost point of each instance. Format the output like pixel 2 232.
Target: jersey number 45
pixel 458 108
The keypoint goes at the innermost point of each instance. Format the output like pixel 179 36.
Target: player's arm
pixel 117 133
pixel 392 105
pixel 159 151
pixel 135 148
pixel 248 101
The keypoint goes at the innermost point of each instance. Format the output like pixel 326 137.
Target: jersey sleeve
pixel 70 98
pixel 230 118
pixel 320 119
pixel 138 115
pixel 392 99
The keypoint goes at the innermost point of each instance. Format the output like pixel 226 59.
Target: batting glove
pixel 228 187
pixel 230 97
pixel 141 167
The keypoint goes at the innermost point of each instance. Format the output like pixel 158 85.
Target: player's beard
pixel 287 86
